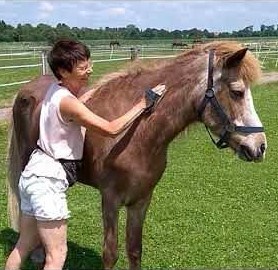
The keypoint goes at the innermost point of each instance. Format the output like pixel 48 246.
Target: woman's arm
pixel 73 110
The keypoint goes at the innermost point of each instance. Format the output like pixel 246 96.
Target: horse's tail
pixel 20 148
pixel 14 170
pixel 23 135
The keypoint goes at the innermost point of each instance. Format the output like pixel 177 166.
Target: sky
pixel 215 16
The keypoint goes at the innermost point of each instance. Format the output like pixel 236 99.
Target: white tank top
pixel 57 138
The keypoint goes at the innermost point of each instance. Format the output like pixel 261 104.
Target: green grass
pixel 209 210
pixel 269 62
pixel 7 93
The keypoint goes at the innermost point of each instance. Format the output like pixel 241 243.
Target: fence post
pixel 133 54
pixel 44 69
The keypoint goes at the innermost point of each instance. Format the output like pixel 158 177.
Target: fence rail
pixel 129 52
pixel 121 54
pixel 21 66
pixel 14 83
pixel 16 54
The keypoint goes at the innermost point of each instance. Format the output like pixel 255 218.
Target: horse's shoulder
pixel 36 88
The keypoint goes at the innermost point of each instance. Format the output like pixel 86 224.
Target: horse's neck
pixel 185 82
pixel 177 109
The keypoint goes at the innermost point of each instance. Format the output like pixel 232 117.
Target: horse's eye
pixel 236 94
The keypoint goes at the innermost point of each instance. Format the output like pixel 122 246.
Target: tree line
pixel 44 32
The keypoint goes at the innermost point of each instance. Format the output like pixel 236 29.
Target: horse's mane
pixel 131 70
pixel 249 69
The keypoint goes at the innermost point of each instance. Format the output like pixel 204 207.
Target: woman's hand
pixel 152 96
pixel 159 89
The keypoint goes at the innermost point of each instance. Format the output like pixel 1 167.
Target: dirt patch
pixel 268 77
pixel 5 113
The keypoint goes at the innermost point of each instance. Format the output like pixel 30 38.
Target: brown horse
pixel 179 44
pixel 114 44
pixel 126 168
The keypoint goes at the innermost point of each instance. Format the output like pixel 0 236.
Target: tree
pixel 3 26
pixel 150 33
pixel 63 30
pixel 176 34
pixel 44 32
pixel 132 32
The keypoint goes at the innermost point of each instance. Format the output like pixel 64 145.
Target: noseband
pixel 227 126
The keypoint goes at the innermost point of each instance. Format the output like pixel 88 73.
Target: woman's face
pixel 79 76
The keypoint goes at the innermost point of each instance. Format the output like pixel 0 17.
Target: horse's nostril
pixel 262 148
pixel 247 152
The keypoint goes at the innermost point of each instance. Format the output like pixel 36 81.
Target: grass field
pixel 210 210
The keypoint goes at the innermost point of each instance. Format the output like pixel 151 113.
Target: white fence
pixel 263 52
pixel 122 54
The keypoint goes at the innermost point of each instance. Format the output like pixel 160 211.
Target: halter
pixel 228 126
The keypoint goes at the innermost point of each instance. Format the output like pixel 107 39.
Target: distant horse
pixel 126 168
pixel 179 44
pixel 197 43
pixel 114 43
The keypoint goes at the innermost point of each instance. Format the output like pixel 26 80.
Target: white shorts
pixel 43 197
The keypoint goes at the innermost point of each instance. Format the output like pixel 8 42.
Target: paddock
pixel 220 214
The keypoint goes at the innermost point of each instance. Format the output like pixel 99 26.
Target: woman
pixel 46 177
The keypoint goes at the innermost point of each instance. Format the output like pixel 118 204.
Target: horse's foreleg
pixel 110 210
pixel 135 218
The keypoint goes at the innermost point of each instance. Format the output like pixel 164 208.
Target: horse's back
pixel 26 111
pixel 37 87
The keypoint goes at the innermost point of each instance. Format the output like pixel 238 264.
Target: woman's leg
pixel 28 240
pixel 53 235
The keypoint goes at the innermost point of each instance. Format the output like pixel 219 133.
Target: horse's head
pixel 228 108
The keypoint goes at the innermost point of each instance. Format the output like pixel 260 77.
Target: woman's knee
pixel 53 235
pixel 56 256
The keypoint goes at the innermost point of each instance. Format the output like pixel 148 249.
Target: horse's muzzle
pixel 246 153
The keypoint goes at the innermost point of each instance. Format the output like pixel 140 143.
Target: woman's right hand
pixel 152 96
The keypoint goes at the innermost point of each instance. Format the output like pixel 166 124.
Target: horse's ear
pixel 235 59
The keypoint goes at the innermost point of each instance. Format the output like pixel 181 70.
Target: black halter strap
pixel 228 126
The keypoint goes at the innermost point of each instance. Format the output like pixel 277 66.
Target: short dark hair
pixel 65 54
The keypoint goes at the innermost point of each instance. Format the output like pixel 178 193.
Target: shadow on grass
pixel 78 257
